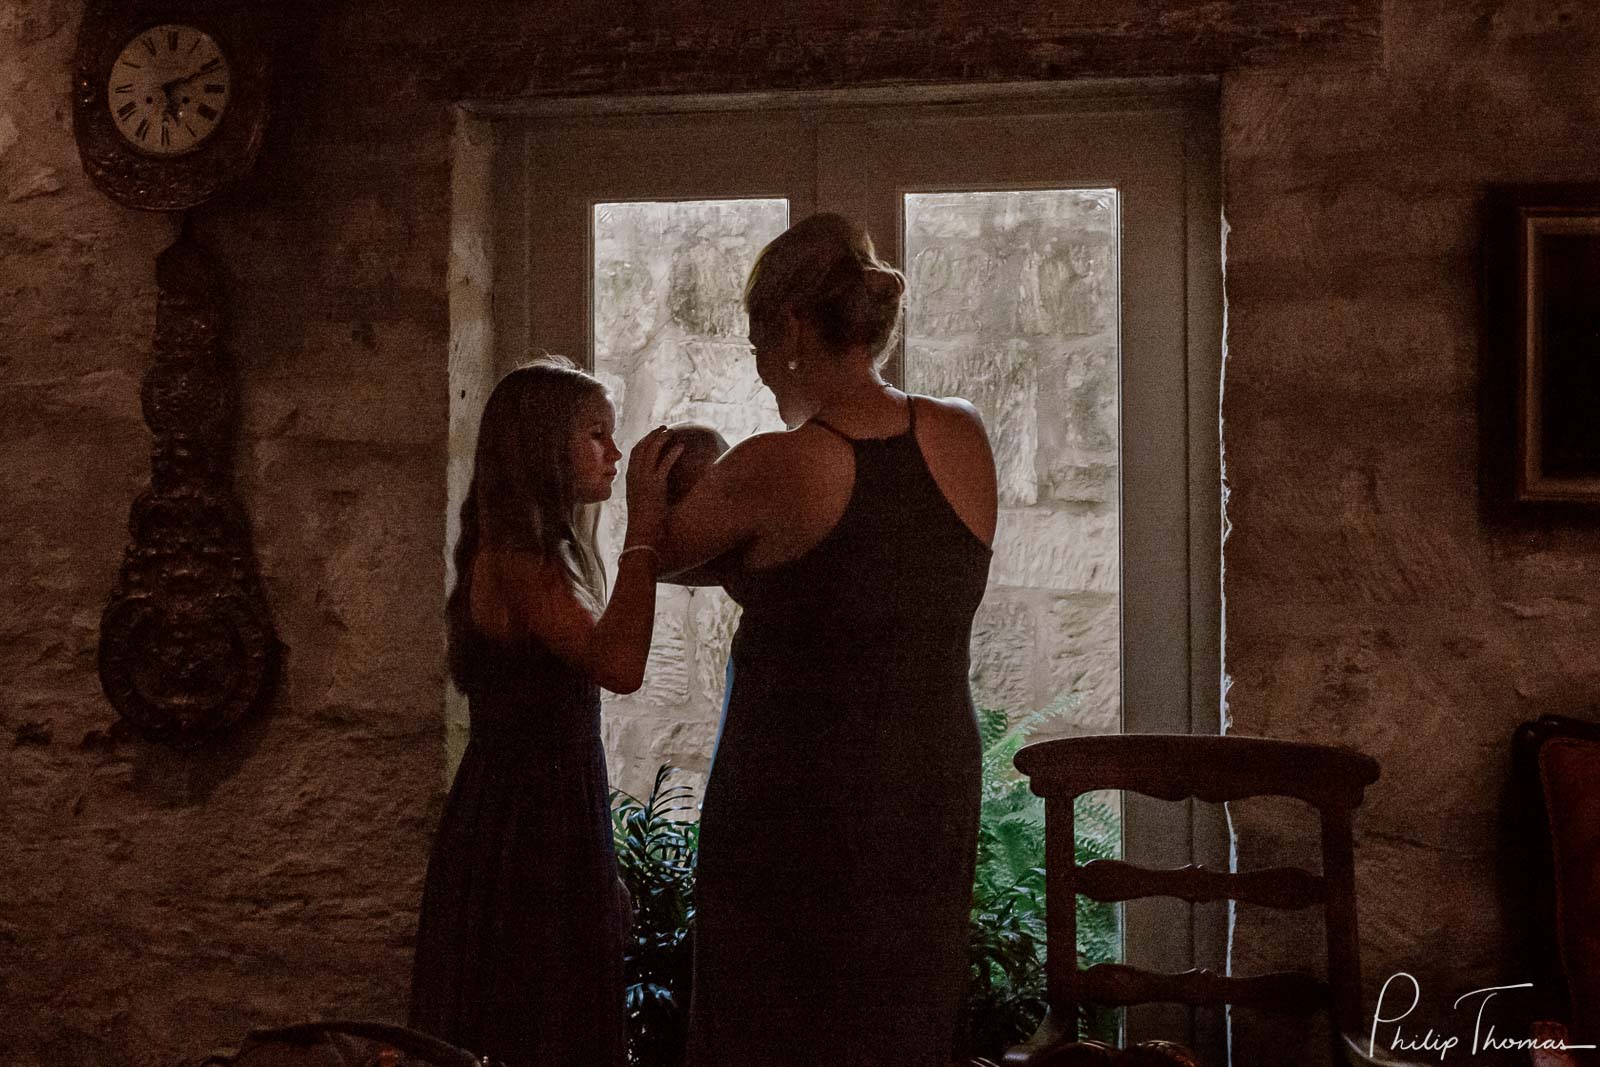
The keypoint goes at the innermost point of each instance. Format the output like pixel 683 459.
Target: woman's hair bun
pixel 885 283
pixel 825 269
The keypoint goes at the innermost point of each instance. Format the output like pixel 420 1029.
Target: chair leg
pixel 1051 1034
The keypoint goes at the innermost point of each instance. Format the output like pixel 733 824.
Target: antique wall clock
pixel 169 108
pixel 170 98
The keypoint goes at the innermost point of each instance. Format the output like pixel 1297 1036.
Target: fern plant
pixel 1006 993
pixel 657 845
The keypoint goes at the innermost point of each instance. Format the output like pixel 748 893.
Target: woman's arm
pixel 712 572
pixel 724 511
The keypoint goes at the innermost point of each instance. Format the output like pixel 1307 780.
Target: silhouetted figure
pixel 520 942
pixel 839 826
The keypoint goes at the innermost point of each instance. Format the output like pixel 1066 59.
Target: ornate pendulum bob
pixel 187 645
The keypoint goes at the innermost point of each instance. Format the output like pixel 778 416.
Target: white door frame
pixel 1172 669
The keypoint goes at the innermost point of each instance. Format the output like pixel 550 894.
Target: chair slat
pixel 1332 779
pixel 1120 985
pixel 1274 887
pixel 1178 766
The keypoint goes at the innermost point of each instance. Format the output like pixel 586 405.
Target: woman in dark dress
pixel 519 946
pixel 839 826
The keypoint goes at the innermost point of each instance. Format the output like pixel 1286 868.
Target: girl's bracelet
pixel 640 548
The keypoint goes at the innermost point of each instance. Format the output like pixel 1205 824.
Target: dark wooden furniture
pixel 344 1043
pixel 1177 767
pixel 1557 779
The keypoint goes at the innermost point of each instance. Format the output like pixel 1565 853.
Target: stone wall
pixel 1371 599
pixel 156 904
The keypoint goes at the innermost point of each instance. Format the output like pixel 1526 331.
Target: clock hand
pixel 171 107
pixel 168 86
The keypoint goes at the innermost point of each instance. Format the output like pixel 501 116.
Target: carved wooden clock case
pixel 170 104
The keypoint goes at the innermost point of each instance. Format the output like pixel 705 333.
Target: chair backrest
pixel 1218 769
pixel 1557 762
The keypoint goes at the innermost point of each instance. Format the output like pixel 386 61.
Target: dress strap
pixel 911 426
pixel 833 430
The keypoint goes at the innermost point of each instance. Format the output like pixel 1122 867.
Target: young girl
pixel 519 946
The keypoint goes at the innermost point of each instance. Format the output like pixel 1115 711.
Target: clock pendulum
pixel 186 641
pixel 170 105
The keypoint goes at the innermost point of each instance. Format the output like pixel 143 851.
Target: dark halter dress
pixel 839 827
pixel 519 947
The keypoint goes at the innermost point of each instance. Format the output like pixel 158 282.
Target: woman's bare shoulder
pixel 754 463
pixel 756 448
pixel 956 447
pixel 951 415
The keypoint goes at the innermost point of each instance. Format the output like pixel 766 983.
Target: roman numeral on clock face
pixel 208 112
pixel 127 109
pixel 172 40
pixel 143 129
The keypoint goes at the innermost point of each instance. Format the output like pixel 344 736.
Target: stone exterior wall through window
pixel 1012 304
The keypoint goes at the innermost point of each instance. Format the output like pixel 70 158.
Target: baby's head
pixel 701 447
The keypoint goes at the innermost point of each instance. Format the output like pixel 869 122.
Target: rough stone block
pixel 360 360
pixel 1002 383
pixel 638 741
pixel 1080 643
pixel 1003 652
pixel 1062 551
pixel 666 676
pixel 715 617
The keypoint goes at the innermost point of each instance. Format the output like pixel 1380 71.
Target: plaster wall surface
pixel 156 904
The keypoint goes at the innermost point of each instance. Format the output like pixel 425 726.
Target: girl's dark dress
pixel 839 828
pixel 519 948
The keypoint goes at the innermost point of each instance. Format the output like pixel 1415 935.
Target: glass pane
pixel 1012 303
pixel 670 341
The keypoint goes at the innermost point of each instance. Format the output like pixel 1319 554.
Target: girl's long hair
pixel 521 497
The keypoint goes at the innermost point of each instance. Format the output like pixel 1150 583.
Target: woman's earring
pixel 793 365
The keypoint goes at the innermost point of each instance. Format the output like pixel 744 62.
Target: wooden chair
pixel 1177 767
pixel 1556 775
pixel 343 1043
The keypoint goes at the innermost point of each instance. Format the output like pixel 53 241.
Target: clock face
pixel 168 89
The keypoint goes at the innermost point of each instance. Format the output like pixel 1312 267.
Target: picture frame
pixel 1541 381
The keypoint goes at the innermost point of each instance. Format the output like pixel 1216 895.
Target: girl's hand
pixel 648 466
